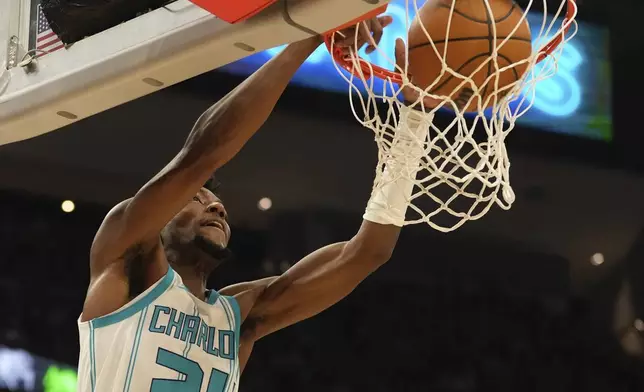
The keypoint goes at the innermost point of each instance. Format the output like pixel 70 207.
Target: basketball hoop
pixel 464 165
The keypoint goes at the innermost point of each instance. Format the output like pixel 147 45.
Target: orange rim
pixel 369 70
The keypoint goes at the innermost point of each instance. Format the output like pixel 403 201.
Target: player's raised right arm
pixel 217 136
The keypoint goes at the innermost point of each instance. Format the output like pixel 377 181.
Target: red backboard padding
pixel 233 11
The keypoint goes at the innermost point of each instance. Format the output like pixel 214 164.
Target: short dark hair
pixel 212 185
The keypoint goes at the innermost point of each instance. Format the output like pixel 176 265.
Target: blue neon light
pixel 560 97
pixel 561 94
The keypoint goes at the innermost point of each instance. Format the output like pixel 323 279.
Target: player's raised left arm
pixel 329 274
pixel 319 280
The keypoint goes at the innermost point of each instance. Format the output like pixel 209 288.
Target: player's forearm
pixel 387 207
pixel 319 280
pixel 374 242
pixel 224 128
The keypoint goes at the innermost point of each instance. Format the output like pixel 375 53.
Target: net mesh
pixel 464 166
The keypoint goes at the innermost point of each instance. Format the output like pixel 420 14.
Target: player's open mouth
pixel 215 224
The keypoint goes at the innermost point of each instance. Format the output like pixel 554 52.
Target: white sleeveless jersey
pixel 164 340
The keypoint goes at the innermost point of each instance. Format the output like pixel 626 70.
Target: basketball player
pixel 149 323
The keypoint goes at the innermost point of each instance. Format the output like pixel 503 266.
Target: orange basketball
pixel 470 42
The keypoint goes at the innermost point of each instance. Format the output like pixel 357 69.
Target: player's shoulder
pixel 108 247
pixel 116 212
pixel 107 229
pixel 130 309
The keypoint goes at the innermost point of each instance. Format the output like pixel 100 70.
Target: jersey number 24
pixel 194 375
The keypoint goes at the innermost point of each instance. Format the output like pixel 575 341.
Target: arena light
pixel 639 325
pixel 597 259
pixel 265 204
pixel 68 206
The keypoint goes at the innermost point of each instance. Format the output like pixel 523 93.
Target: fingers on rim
pixel 400 53
pixel 385 20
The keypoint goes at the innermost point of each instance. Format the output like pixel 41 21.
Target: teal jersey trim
pixel 233 304
pixel 213 296
pixel 135 351
pixel 92 357
pixel 138 304
pixel 186 350
pixel 231 364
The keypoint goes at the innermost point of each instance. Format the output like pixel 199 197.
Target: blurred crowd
pixel 451 331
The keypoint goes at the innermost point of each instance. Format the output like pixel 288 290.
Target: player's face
pixel 210 218
pixel 203 222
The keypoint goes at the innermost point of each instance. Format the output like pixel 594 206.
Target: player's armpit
pixel 321 279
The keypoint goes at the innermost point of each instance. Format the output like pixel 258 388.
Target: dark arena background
pixel 547 297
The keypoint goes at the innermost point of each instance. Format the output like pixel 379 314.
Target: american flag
pixel 46 39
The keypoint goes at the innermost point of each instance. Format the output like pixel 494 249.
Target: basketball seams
pixel 491 39
pixel 506 16
pixel 458 70
pixel 474 38
pixel 487 42
pixel 451 77
pixel 480 21
pixel 510 62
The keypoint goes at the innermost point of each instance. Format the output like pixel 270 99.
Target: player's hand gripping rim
pixel 368 31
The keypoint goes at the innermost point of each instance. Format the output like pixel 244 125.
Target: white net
pixel 464 165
